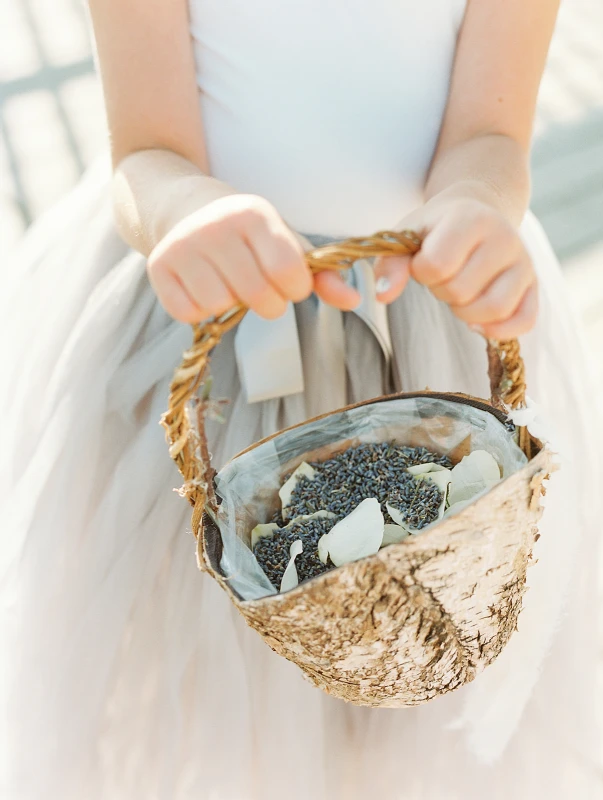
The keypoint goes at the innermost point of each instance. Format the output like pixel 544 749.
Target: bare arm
pixel 154 190
pixel 155 126
pixel 208 246
pixel 484 144
pixel 477 190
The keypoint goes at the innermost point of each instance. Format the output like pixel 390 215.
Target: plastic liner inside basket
pixel 248 485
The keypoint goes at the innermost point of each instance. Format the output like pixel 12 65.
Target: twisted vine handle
pixel 187 444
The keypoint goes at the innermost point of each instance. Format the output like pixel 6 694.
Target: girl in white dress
pixel 242 132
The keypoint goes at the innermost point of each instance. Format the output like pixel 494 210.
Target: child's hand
pixel 237 249
pixel 473 259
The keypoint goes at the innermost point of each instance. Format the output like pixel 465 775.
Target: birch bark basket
pixel 421 617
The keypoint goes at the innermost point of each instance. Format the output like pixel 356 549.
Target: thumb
pixel 392 274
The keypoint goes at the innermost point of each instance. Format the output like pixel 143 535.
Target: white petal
pixel 286 490
pixel 476 472
pixel 523 416
pixel 393 534
pixel 315 515
pixel 442 480
pixel 530 418
pixel 397 517
pixel 290 579
pixel 262 530
pixel 434 474
pixel 322 551
pixel 356 536
pixel 323 547
pixel 423 469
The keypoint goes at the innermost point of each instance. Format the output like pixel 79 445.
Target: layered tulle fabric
pixel 127 674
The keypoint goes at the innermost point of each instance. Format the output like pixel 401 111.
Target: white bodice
pixel 328 108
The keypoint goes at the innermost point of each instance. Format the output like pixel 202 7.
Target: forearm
pixel 153 190
pixel 491 168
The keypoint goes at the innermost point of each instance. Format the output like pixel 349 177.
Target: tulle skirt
pixel 127 674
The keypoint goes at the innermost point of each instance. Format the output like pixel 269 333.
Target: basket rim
pixel 213 546
pixel 454 397
pixel 211 552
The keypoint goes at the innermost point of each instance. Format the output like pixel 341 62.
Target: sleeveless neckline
pixel 331 110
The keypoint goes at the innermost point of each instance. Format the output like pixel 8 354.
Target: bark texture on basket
pixel 419 618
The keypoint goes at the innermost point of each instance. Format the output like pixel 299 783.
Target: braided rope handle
pixel 187 444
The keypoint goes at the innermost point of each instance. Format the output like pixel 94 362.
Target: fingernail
pixel 383 285
pixel 477 329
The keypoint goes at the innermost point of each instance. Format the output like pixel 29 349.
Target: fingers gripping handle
pixel 187 444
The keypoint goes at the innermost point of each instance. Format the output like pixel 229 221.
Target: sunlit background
pixel 52 127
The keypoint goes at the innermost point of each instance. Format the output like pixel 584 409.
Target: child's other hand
pixel 237 249
pixel 473 259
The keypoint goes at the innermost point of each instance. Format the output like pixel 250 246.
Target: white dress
pixel 125 673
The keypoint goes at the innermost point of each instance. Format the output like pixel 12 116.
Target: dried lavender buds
pixel 367 497
pixel 341 483
pixel 418 504
pixel 338 486
pixel 273 552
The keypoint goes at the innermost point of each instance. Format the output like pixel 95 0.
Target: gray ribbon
pixel 268 352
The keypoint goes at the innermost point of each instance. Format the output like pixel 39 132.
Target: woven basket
pixel 421 617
